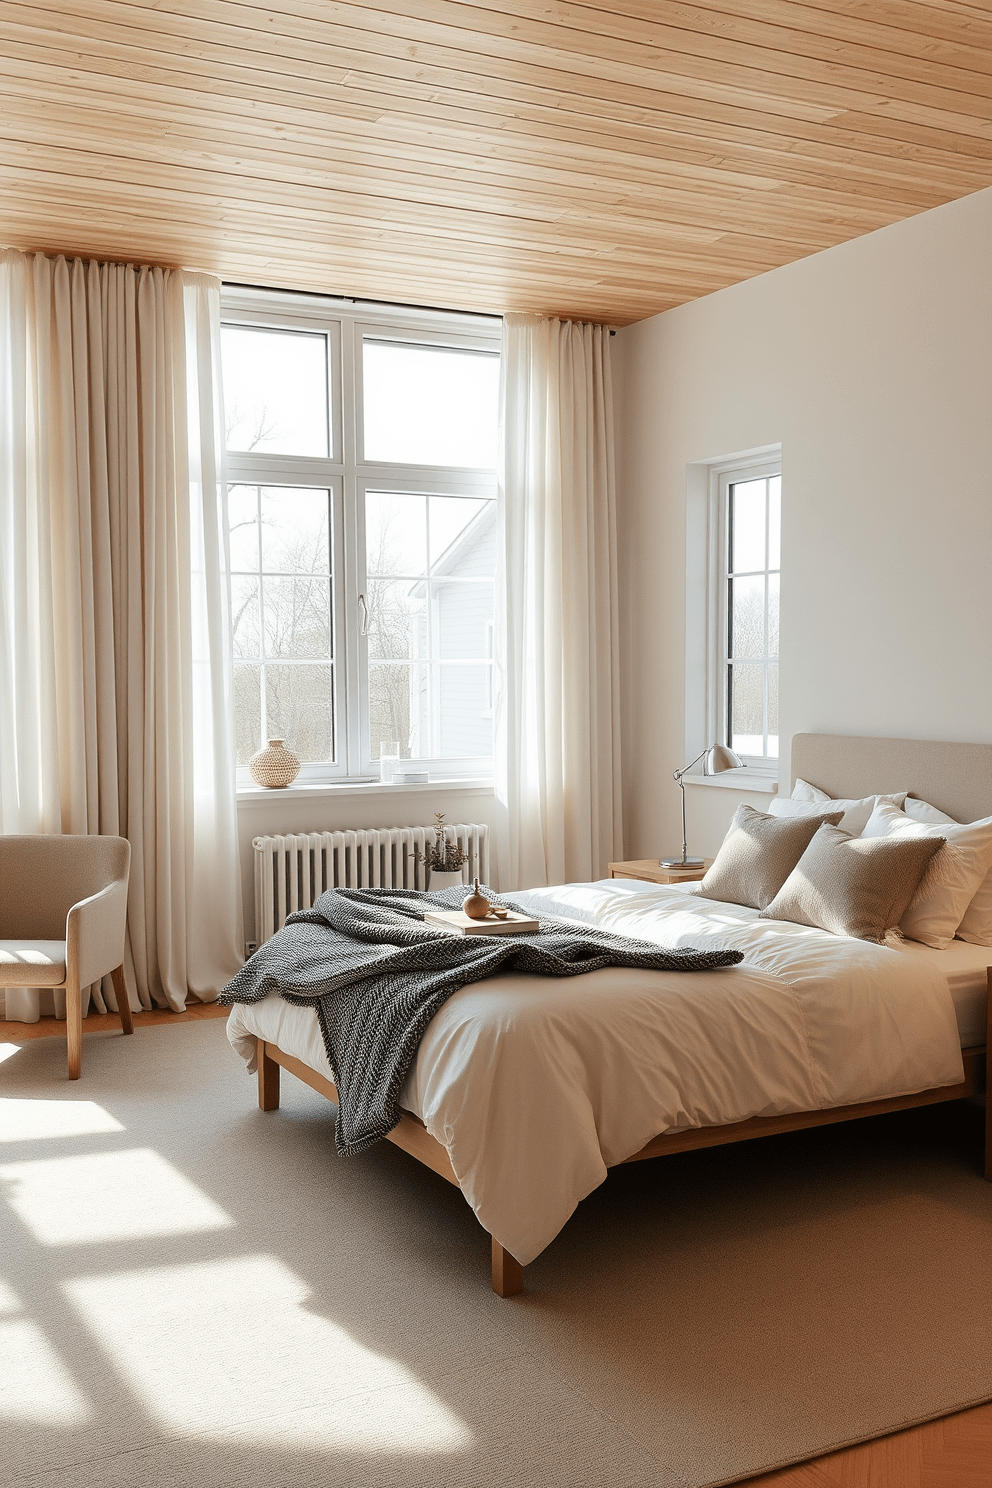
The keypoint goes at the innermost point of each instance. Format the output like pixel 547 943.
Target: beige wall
pixel 871 364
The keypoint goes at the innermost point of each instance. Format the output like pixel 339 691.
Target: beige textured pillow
pixel 758 854
pixel 858 886
pixel 952 880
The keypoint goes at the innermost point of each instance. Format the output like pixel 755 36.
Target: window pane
pixel 775 522
pixel 747 708
pixel 295 530
pixel 247 711
pixel 297 617
pixel 747 512
pixel 747 614
pixel 428 405
pixel 463 617
pixel 462 535
pixel 397 699
pixel 242 516
pixel 773 614
pixel 773 710
pixel 397 621
pixel 466 722
pixel 245 616
pixel 275 390
pixel 298 701
pixel 395 533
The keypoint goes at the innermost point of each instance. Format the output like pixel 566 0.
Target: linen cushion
pixel 32 963
pixel 858 886
pixel 952 880
pixel 758 854
pixel 856 812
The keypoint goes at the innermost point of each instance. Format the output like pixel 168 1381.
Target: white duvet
pixel 536 1086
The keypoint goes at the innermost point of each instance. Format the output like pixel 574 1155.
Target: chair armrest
pixel 94 934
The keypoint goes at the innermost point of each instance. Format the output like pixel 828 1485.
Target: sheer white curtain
pixel 557 692
pixel 115 663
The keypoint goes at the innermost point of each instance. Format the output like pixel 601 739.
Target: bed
pixel 524 1094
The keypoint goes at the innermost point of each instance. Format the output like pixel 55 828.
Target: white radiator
pixel 291 871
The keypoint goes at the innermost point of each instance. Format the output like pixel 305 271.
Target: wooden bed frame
pixel 957 778
pixel 507 1273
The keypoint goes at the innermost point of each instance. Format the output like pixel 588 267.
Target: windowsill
pixel 743 780
pixel 309 790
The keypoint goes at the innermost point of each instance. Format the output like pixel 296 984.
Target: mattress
pixel 536 1086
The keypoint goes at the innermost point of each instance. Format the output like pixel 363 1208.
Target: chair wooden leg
pixel 123 1006
pixel 268 1080
pixel 74 1030
pixel 988 1076
pixel 508 1274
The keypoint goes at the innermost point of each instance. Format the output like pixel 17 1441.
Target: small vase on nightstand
pixel 441 881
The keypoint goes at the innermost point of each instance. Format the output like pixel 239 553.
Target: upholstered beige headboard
pixel 957 778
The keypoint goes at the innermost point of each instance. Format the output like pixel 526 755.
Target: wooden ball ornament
pixel 476 906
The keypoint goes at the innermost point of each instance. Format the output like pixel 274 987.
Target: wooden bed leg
pixel 508 1274
pixel 268 1080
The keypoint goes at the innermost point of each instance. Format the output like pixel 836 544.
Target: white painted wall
pixel 871 364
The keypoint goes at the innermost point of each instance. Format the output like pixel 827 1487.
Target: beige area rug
pixel 197 1295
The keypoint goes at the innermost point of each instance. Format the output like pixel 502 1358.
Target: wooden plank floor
pixel 955 1452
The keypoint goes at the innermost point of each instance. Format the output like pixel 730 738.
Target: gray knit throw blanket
pixel 377 974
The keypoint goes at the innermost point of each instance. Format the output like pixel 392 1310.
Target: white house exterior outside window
pixel 362 493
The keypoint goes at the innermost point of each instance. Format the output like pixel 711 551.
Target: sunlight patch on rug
pixel 35 1385
pixel 229 1349
pixel 32 1120
pixel 107 1196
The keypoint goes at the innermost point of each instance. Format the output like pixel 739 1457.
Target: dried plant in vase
pixel 443 856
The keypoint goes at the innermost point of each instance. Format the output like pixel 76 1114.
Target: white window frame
pixel 347 474
pixel 706 705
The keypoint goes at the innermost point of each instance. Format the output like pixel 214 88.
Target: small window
pixel 750 538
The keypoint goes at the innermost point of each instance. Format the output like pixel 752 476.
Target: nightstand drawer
pixel 651 871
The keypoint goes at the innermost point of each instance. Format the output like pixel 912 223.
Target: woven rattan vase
pixel 274 766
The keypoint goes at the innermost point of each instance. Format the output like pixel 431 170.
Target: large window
pixel 361 456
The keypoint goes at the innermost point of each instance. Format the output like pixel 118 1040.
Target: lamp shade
pixel 721 758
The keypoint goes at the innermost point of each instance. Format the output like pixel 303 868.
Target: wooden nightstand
pixel 651 871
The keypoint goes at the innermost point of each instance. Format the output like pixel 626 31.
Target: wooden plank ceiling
pixel 604 161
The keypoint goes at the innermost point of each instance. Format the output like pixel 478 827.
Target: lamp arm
pixel 677 774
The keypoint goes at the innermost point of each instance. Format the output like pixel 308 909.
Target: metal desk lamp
pixel 718 759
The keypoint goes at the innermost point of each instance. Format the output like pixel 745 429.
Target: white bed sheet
pixel 536 1086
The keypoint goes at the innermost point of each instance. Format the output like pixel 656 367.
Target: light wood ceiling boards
pixel 603 161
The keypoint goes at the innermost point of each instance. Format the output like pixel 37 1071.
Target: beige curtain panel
pixel 115 658
pixel 557 646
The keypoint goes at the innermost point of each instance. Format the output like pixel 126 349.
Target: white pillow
pixel 951 881
pixel 924 812
pixel 803 791
pixel 856 813
pixel 976 926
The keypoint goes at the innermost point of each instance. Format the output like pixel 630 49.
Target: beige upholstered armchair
pixel 63 909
